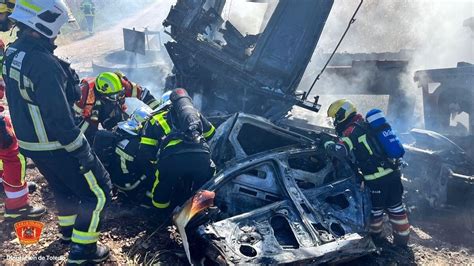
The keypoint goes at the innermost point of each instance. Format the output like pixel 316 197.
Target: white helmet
pixel 136 120
pixel 165 97
pixel 44 16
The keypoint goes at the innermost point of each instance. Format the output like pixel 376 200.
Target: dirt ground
pixel 135 238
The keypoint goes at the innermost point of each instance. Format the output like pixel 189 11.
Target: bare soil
pixel 135 238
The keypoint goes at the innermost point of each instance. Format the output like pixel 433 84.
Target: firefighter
pixel 381 176
pixel 118 150
pixel 12 162
pixel 103 101
pixel 180 134
pixel 88 8
pixel 41 92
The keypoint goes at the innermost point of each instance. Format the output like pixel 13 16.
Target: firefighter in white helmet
pixel 41 92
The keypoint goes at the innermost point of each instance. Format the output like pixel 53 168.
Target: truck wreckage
pixel 278 198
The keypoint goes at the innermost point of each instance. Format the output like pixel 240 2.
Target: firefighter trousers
pixel 80 198
pixel 13 170
pixel 12 177
pixel 178 176
pixel 386 195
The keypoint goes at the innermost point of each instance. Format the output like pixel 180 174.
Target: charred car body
pixel 278 199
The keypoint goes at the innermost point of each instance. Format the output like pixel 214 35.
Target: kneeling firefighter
pixel 179 135
pixel 377 153
pixel 118 150
pixel 103 101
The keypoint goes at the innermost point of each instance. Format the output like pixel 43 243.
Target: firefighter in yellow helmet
pixel 379 174
pixel 103 101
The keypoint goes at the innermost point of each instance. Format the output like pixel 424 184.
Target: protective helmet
pixel 136 120
pixel 43 16
pixel 6 6
pixel 340 110
pixel 165 97
pixel 109 85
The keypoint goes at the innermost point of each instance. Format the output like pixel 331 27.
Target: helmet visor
pixel 115 97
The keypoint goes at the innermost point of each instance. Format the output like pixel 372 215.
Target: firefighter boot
pixel 26 212
pixel 89 253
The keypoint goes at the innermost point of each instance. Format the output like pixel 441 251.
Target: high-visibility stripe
pixel 397 209
pixel 327 143
pixel 148 141
pixel 123 154
pixel 99 193
pixel 67 220
pixel 154 104
pixel 1 169
pixel 381 172
pixel 79 262
pixel 77 109
pixel 363 139
pixel 399 222
pixel 84 237
pixel 123 160
pixel 27 83
pixel 123 165
pixel 34 146
pixel 403 233
pixel 134 91
pixel 162 121
pixel 374 117
pixel 38 123
pixel 23 167
pixel 85 126
pixel 159 205
pixel 133 186
pixel 17 194
pixel 348 141
pixel 30 5
pixel 376 212
pixel 173 142
pixel 15 75
pixel 210 132
pixel 76 144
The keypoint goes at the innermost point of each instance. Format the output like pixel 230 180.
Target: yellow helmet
pixel 108 84
pixel 340 110
pixel 6 6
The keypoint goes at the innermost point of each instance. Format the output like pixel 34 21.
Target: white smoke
pixel 432 28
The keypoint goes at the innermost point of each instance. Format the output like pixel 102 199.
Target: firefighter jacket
pixel 93 110
pixel 356 138
pixel 41 90
pixel 158 134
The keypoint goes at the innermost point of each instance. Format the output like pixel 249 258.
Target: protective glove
pixel 6 138
pixel 86 158
pixel 336 150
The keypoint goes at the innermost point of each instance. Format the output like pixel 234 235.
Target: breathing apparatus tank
pixel 384 134
pixel 186 118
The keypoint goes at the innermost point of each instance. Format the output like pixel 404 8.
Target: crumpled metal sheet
pixel 268 209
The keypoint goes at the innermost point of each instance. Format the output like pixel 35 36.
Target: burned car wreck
pixel 277 199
